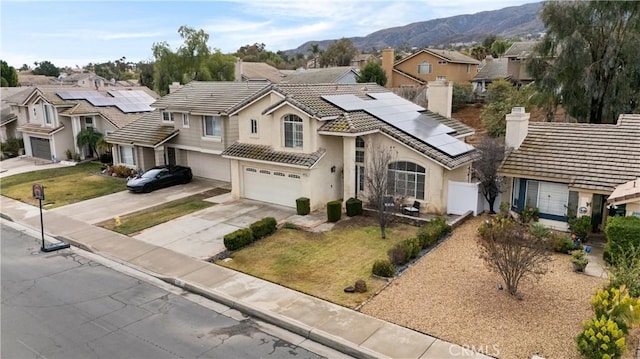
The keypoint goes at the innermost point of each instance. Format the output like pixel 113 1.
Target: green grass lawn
pixel 135 222
pixel 321 264
pixel 63 185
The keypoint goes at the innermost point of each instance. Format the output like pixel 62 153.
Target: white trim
pixel 257 99
pixel 274 163
pixel 286 102
pixel 196 149
pixel 345 134
pixel 206 113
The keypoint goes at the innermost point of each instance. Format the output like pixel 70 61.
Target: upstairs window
pixel 167 117
pixel 212 126
pixel 254 126
pixel 292 131
pixel 185 120
pixel 425 68
pixel 48 114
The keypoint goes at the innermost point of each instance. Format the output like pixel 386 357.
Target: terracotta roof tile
pixel 147 131
pixel 267 153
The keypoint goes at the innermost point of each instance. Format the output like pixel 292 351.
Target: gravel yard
pixel 451 294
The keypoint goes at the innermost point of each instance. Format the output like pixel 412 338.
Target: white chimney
pixel 517 127
pixel 440 97
pixel 238 70
pixel 174 86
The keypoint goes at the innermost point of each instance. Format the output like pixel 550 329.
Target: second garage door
pixel 277 187
pixel 40 148
pixel 209 166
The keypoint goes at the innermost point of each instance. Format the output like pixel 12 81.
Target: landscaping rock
pixel 349 289
pixel 361 286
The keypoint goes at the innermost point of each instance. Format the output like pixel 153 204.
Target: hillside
pixel 508 22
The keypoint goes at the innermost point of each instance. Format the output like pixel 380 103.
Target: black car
pixel 159 177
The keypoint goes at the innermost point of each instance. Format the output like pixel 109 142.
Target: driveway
pixel 200 234
pixel 13 166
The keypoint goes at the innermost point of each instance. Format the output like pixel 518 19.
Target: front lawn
pixel 322 264
pixel 63 185
pixel 137 221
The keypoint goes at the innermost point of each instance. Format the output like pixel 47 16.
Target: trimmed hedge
pixel 334 210
pixel 263 227
pixel 354 207
pixel 238 239
pixel 622 234
pixel 303 206
pixel 383 268
pixel 432 231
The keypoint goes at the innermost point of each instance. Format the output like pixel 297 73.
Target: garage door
pixel 40 148
pixel 277 187
pixel 209 166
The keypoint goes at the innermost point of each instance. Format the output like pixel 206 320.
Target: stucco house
pixel 567 169
pixel 191 126
pixel 490 70
pixel 50 118
pixel 428 65
pixel 304 140
pixel 626 198
pixel 516 56
pixel 8 116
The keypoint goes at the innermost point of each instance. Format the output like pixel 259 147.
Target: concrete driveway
pixel 13 166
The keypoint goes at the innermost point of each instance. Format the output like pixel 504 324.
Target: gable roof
pixel 309 99
pixel 447 55
pixel 589 156
pixel 319 76
pixel 492 70
pixel 626 192
pixel 520 49
pixel 146 131
pixel 247 151
pixel 209 97
pixel 259 71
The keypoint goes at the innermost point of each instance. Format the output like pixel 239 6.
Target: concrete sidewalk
pixel 337 327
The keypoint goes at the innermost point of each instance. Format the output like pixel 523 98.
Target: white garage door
pixel 277 187
pixel 209 166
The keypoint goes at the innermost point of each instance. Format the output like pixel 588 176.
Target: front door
pixel 171 156
pixel 597 212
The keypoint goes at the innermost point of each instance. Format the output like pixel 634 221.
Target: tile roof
pixel 448 55
pixel 260 71
pixel 266 153
pixel 215 97
pixel 318 76
pixel 520 49
pixel 626 192
pixel 39 129
pixel 492 70
pixel 589 156
pixel 147 131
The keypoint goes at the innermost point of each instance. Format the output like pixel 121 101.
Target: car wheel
pixel 146 188
pixel 186 180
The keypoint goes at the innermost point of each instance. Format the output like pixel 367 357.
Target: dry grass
pixel 322 264
pixel 452 295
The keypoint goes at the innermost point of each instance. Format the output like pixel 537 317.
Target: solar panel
pixel 405 116
pixel 127 101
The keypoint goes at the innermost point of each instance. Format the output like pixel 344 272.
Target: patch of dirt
pixel 451 294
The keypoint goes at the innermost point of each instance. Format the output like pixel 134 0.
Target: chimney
pixel 174 86
pixel 440 97
pixel 238 70
pixel 517 127
pixel 388 58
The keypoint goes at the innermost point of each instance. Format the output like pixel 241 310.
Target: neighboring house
pixel 314 141
pixel 256 71
pixel 27 78
pixel 9 116
pixel 83 79
pixel 50 118
pixel 191 126
pixel 517 55
pixel 360 60
pixel 567 169
pixel 625 199
pixel 428 65
pixel 341 74
pixel 490 70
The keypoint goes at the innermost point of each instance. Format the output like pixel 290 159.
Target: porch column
pixel 75 129
pixel 348 164
pixel 159 156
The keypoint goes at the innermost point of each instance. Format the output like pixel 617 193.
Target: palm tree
pixel 89 137
pixel 315 50
pixel 479 52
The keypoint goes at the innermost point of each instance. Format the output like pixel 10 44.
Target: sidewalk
pixel 343 329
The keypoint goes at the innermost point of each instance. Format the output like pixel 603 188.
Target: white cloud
pixel 97 35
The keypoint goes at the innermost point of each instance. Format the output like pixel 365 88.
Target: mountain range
pixel 508 22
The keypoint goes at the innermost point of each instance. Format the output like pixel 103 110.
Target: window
pixel 88 121
pixel 551 199
pixel 292 131
pixel 359 150
pixel 127 156
pixel 406 179
pixel 515 192
pixel 280 174
pixel 254 126
pixel 185 120
pixel 48 114
pixel 441 78
pixel 360 164
pixel 425 68
pixel 212 126
pixel 167 117
pixel 468 68
pixel 442 62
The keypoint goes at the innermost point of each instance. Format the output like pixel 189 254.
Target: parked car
pixel 159 177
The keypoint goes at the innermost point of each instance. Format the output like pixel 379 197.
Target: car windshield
pixel 152 173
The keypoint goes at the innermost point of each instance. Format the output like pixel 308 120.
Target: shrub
pixel 579 259
pixel 289 225
pixel 623 233
pixel 581 226
pixel 106 157
pixel 122 171
pixel 601 338
pixel 354 207
pixel 529 214
pixel 539 231
pixel 432 231
pixel 626 271
pixel 303 206
pixel 462 94
pixel 618 305
pixel 68 154
pixel 398 254
pixel 334 211
pixel 238 239
pixel 561 243
pixel 505 207
pixel 383 268
pixel 263 227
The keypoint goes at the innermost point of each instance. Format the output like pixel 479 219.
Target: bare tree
pixel 378 185
pixel 485 169
pixel 509 249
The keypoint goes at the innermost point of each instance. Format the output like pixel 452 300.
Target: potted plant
pixel 579 260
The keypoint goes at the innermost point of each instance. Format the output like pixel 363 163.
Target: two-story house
pixel 314 141
pixel 517 55
pixel 50 118
pixel 428 65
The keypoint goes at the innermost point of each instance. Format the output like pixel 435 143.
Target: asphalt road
pixel 63 305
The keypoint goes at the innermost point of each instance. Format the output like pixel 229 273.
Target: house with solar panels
pixel 50 118
pixel 314 141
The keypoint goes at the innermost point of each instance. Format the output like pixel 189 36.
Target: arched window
pixel 360 164
pixel 406 179
pixel 425 68
pixel 292 131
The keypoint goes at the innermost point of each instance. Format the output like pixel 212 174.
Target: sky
pixel 79 32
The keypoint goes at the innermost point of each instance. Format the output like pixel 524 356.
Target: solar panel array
pixel 405 116
pixel 127 101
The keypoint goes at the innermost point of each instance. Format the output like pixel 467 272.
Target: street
pixel 63 305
